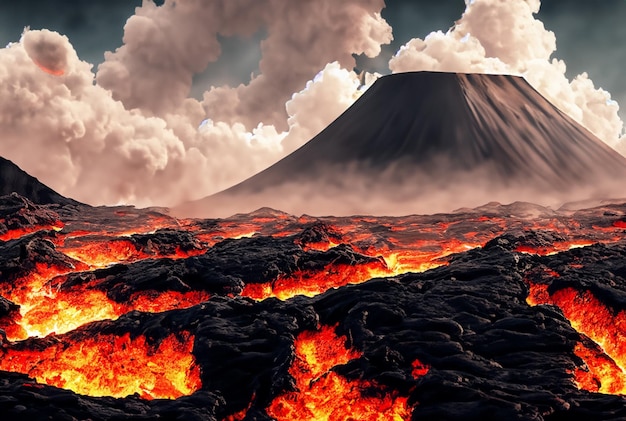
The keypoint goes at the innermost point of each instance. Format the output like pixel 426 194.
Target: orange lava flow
pixel 106 365
pixel 601 374
pixel 421 255
pixel 28 292
pixel 324 395
pixel 310 283
pixel 591 317
pixel 63 311
pixel 101 254
pixel 400 263
pixel 45 310
pixel 20 232
pixel 157 301
pixel 553 248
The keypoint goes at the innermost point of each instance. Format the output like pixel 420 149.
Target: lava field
pixel 498 312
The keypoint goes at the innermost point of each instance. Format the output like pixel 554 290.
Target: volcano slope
pixel 497 312
pixel 15 180
pixel 429 142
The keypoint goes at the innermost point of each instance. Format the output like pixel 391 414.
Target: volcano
pixel 15 180
pixel 427 141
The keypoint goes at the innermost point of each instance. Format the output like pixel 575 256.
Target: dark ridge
pixel 14 180
pixel 451 130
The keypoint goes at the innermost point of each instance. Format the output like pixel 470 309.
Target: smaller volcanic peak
pixel 418 139
pixel 14 180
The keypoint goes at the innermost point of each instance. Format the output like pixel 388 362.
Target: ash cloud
pixel 165 46
pixel 128 132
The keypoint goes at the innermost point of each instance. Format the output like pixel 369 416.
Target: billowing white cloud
pixel 134 137
pixel 336 88
pixel 165 46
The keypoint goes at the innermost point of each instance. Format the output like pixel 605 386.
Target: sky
pixel 590 33
pixel 167 120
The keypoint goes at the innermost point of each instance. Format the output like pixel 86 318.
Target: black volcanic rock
pixel 20 257
pixel 19 213
pixel 491 356
pixel 15 180
pixel 424 138
pixel 224 269
pixel 485 352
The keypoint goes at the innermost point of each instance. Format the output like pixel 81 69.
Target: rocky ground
pixel 485 313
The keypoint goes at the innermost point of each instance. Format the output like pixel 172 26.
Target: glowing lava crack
pixel 322 394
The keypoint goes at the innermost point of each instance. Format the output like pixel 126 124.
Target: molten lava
pixel 44 309
pixel 323 394
pixel 102 254
pixel 601 374
pixel 386 247
pixel 63 311
pixel 106 365
pixel 310 283
pixel 606 362
pixel 423 256
pixel 549 249
pixel 21 232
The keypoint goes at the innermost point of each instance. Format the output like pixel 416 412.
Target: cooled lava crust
pixel 499 312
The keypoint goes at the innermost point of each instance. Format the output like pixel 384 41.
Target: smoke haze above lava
pixel 129 131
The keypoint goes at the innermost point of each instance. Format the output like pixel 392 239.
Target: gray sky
pixel 590 34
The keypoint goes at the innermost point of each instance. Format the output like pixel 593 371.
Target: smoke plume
pixel 165 46
pixel 130 133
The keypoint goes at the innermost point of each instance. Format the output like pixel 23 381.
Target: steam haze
pixel 131 129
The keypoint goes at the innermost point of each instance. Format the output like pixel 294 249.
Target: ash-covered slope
pixel 14 180
pixel 418 139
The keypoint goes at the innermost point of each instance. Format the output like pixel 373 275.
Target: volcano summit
pixel 428 141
